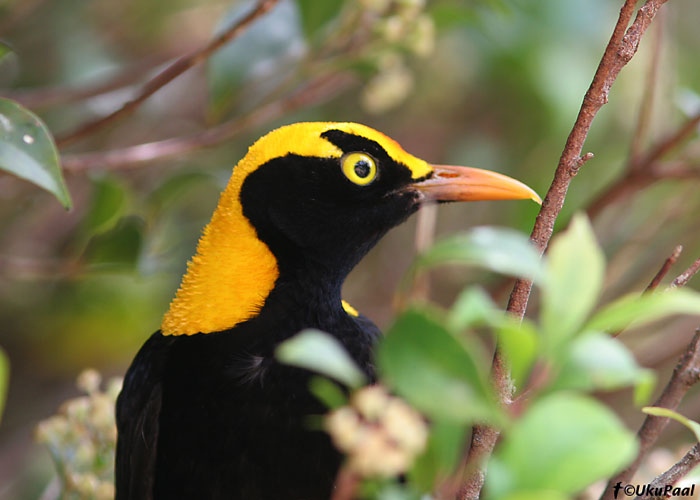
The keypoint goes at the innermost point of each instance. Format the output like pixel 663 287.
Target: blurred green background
pixel 492 83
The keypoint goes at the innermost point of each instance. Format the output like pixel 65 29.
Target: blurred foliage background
pixel 489 83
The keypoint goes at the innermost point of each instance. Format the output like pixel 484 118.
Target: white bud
pixel 89 381
pixel 344 426
pixel 370 401
pixel 405 426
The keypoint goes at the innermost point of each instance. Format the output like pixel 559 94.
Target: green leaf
pixel 438 462
pixel 563 443
pixel 177 186
pixel 634 310
pixel 436 372
pixel 119 248
pixel 4 379
pixel 501 250
pixel 596 361
pixel 473 307
pixel 108 202
pixel 574 280
pixel 328 392
pixel 5 50
pixel 266 53
pixel 315 15
pixel 27 150
pixel 518 342
pixel 320 352
pixel 644 387
pixel 665 412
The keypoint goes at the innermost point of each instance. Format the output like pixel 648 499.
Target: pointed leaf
pixel 328 392
pixel 434 371
pixel 596 361
pixel 266 53
pixel 27 150
pixel 118 248
pixel 574 280
pixel 563 443
pixel 501 250
pixel 315 15
pixel 665 412
pixel 473 307
pixel 518 342
pixel 635 310
pixel 320 352
pixel 439 460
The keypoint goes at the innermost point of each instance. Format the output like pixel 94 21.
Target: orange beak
pixel 449 183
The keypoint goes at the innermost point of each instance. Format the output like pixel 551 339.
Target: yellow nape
pixel 349 309
pixel 233 272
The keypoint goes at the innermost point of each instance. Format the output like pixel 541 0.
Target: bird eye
pixel 359 168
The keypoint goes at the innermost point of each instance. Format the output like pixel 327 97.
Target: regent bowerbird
pixel 206 411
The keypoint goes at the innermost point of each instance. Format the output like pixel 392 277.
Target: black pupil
pixel 362 169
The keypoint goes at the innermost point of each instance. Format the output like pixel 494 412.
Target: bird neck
pixel 231 274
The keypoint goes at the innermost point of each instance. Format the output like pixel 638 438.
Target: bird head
pixel 311 195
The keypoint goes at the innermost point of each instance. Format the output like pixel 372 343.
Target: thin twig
pixel 346 484
pixel 668 263
pixel 620 49
pixel 425 236
pixel 170 73
pixel 317 91
pixel 51 96
pixel 686 275
pixel 685 375
pixel 646 170
pixel 677 472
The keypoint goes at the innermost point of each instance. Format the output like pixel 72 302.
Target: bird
pixel 206 410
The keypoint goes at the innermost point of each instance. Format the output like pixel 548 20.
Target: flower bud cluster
pixel 82 437
pixel 406 29
pixel 381 434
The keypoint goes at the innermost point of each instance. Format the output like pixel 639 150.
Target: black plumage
pixel 214 415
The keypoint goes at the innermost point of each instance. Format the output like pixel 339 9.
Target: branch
pixel 668 263
pixel 620 49
pixel 686 275
pixel 319 90
pixel 685 375
pixel 346 484
pixel 170 73
pixel 678 471
pixel 51 96
pixel 641 172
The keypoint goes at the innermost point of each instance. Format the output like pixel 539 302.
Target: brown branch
pixel 678 471
pixel 686 275
pixel 52 96
pixel 668 263
pixel 170 73
pixel 685 375
pixel 346 484
pixel 620 49
pixel 425 237
pixel 644 171
pixel 319 90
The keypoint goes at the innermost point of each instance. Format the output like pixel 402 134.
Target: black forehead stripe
pixel 351 142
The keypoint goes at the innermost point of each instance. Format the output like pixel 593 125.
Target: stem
pixel 169 74
pixel 621 48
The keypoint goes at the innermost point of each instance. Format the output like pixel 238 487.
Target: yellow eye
pixel 359 168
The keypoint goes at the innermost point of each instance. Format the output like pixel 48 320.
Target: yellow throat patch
pixel 233 272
